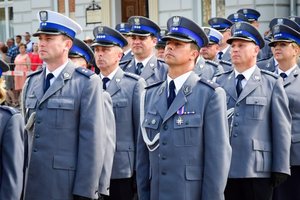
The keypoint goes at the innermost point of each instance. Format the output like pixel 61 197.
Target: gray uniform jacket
pixel 127 57
pixel 125 89
pixel 193 157
pixel 66 142
pixel 291 86
pixel 260 128
pixel 207 69
pixel 155 71
pixel 104 182
pixel 267 64
pixel 12 153
pixel 227 55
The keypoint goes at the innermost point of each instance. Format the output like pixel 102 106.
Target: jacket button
pixel 237 114
pixel 237 104
pixel 236 124
pixel 235 135
pixel 38 121
pixel 37 136
pixel 165 127
pixel 163 173
pixel 41 107
pixel 164 143
pixel 163 157
pixel 35 150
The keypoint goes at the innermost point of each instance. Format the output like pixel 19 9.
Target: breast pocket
pixel 62 112
pixel 121 109
pixel 187 130
pixel 256 107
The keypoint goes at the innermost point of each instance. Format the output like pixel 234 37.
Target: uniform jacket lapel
pixel 114 85
pixel 161 100
pixel 291 77
pixel 252 83
pixel 148 70
pixel 230 86
pixel 181 97
pixel 130 67
pixel 38 89
pixel 66 74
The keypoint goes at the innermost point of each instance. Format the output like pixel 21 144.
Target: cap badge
pixel 137 21
pixel 293 18
pixel 238 25
pixel 276 29
pixel 176 21
pixel 215 20
pixel 122 25
pixel 207 31
pixel 280 21
pixel 245 11
pixel 100 30
pixel 44 16
pixel 236 15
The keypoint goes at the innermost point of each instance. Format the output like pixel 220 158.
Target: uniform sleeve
pixel 142 166
pixel 281 129
pixel 92 139
pixel 216 147
pixel 12 160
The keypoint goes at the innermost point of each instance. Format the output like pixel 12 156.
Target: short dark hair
pixel 18 36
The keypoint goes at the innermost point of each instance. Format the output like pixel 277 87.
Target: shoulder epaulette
pixel 154 85
pixel 131 75
pixel 263 59
pixel 213 63
pixel 35 72
pixel 224 72
pixel 210 83
pixel 225 62
pixel 269 73
pixel 125 62
pixel 10 109
pixel 86 72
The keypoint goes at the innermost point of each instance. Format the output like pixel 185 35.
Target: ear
pixel 195 54
pixel 68 44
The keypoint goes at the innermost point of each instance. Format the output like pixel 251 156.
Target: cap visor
pixel 45 32
pixel 139 34
pixel 271 44
pixel 102 44
pixel 229 41
pixel 176 37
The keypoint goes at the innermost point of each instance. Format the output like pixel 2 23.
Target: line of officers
pixel 191 126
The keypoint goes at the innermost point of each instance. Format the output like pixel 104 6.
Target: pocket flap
pixel 256 101
pixel 125 146
pixel 187 121
pixel 64 162
pixel 295 138
pixel 261 145
pixel 61 103
pixel 193 173
pixel 151 121
pixel 120 103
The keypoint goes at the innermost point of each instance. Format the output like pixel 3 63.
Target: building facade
pixel 19 16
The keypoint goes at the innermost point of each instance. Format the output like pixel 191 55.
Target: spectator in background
pixel 22 63
pixel 35 60
pixel 88 40
pixel 13 51
pixel 28 42
pixel 18 40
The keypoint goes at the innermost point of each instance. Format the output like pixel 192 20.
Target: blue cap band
pixel 144 28
pixel 47 26
pixel 124 30
pixel 0 72
pixel 287 36
pixel 223 25
pixel 187 33
pixel 213 39
pixel 242 33
pixel 109 39
pixel 251 16
pixel 77 50
pixel 237 20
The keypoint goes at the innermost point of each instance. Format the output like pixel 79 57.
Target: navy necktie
pixel 283 75
pixel 47 81
pixel 220 55
pixel 172 93
pixel 139 67
pixel 239 86
pixel 105 81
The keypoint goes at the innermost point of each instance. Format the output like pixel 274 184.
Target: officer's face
pixel 53 48
pixel 178 53
pixel 210 51
pixel 142 46
pixel 243 53
pixel 285 51
pixel 107 57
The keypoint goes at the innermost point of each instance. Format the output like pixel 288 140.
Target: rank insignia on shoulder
pixel 86 72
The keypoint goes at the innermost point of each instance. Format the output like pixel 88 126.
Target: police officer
pixel 125 89
pixel 124 29
pixel 237 17
pixel 11 145
pixel 286 51
pixel 252 16
pixel 160 45
pixel 81 54
pixel 223 25
pixel 259 120
pixel 144 33
pixel 271 64
pixel 178 155
pixel 64 114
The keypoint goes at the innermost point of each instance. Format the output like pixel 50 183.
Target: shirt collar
pixel 58 70
pixel 287 72
pixel 247 73
pixel 179 81
pixel 145 61
pixel 224 50
pixel 111 75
